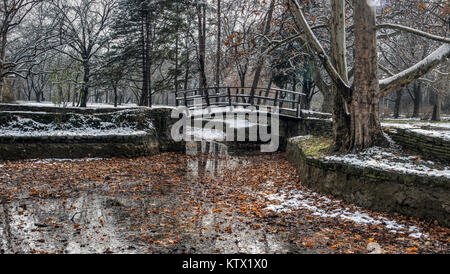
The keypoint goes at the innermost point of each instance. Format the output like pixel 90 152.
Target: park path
pixel 204 201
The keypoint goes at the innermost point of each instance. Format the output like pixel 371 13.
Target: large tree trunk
pixel 365 125
pixel 341 118
pixel 398 101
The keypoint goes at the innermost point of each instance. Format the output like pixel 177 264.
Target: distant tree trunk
pixel 115 96
pixel 219 42
pixel 260 63
pixel 307 89
pixel 398 101
pixel 437 107
pixel 85 86
pixel 146 97
pixel 186 73
pixel 417 99
pixel 201 14
pixel 327 104
pixel 144 93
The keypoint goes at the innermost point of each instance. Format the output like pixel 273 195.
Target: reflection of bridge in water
pixel 288 102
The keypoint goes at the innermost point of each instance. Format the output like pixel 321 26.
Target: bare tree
pixel 83 33
pixel 12 16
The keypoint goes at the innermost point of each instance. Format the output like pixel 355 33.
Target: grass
pixel 314 146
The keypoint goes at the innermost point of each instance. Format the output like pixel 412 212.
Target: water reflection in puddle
pixel 187 218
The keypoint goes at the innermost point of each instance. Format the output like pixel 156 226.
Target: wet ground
pixel 203 202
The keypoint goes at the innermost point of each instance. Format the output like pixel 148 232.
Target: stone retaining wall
pixel 155 139
pixel 424 197
pixel 105 147
pixel 55 109
pixel 430 147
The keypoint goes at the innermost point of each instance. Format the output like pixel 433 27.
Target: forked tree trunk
pixel 365 125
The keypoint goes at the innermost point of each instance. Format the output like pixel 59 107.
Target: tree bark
pixel 144 30
pixel 341 117
pixel 365 125
pixel 201 14
pixel 398 101
pixel 219 42
pixel 85 86
pixel 417 99
pixel 115 96
pixel 437 108
pixel 260 63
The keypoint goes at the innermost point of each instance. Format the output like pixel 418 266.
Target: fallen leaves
pixel 172 200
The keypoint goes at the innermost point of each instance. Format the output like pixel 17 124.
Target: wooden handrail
pixel 215 88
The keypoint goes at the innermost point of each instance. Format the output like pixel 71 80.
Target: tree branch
pixel 414 31
pixel 407 76
pixel 344 89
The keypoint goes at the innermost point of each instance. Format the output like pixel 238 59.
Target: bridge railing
pixel 288 101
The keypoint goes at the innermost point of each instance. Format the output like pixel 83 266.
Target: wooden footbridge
pixel 288 102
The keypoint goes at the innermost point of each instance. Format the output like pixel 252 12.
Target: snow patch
pixel 384 159
pixel 205 134
pixel 324 207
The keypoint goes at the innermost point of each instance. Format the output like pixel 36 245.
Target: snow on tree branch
pixel 414 31
pixel 407 76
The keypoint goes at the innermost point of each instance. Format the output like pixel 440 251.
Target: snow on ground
pixel 315 112
pixel 205 134
pixel 84 132
pixel 387 159
pixel 236 123
pixel 25 127
pixel 51 161
pixel 89 105
pixel 436 130
pixel 304 137
pixel 416 125
pixel 322 206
